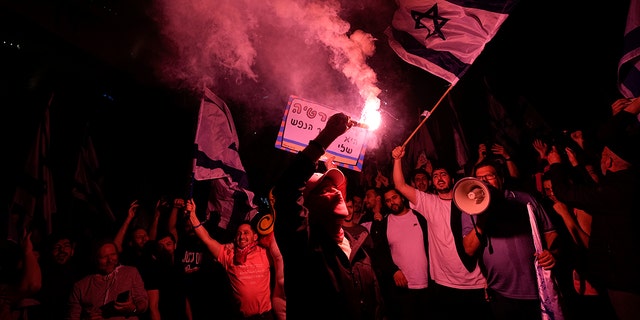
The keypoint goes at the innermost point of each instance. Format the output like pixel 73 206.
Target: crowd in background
pixel 395 247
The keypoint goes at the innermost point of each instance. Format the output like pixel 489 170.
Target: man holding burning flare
pixel 329 275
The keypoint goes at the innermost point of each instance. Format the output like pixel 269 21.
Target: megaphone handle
pixel 481 237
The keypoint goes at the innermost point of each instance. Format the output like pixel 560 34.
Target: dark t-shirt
pixel 206 282
pixel 167 277
pixel 57 283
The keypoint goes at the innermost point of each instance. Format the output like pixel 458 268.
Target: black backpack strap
pixel 470 262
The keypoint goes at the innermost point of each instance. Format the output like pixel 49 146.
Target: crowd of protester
pixel 397 247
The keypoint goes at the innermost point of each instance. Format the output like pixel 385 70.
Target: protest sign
pixel 304 119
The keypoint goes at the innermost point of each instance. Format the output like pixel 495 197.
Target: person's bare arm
pixel 31 281
pixel 381 180
pixel 422 161
pixel 119 237
pixel 482 152
pixel 213 245
pixel 511 165
pixel 471 242
pixel 546 258
pixel 178 205
pixel 337 125
pixel 278 299
pixel 398 176
pixel 579 236
pixel 154 298
pixel 475 240
pixel 153 229
pixel 633 107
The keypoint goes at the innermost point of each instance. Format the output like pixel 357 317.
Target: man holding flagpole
pixel 445 38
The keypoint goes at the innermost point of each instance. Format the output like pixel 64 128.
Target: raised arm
pixel 178 205
pixel 287 191
pixel 31 281
pixel 511 165
pixel 119 237
pixel 398 176
pixel 214 246
pixel 153 230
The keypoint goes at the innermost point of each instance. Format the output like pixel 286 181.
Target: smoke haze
pixel 260 52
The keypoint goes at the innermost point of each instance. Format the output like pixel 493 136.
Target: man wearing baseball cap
pixel 328 274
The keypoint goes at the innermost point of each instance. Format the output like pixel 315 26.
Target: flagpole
pixel 427 117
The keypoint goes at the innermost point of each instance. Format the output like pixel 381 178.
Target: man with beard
pixel 503 239
pixel 60 270
pixel 459 284
pixel 200 271
pixel 373 209
pixel 403 258
pixel 164 281
pixel 247 264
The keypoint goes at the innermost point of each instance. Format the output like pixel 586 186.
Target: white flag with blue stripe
pixel 445 37
pixel 217 159
pixel 629 64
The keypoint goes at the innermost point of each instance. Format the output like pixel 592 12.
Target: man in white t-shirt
pixel 459 284
pixel 402 250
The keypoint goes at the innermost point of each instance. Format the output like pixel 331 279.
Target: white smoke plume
pixel 252 50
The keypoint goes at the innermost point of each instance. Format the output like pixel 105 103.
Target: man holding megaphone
pixel 501 235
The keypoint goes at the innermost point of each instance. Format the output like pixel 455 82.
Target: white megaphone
pixel 471 195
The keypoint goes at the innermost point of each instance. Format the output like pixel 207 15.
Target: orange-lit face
pixel 358 204
pixel 107 258
pixel 370 199
pixel 548 190
pixel 489 175
pixel 421 182
pixel 245 236
pixel 62 251
pixel 442 180
pixel 349 217
pixel 394 201
pixel 167 244
pixel 139 238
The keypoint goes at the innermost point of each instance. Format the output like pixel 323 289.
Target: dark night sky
pixel 557 59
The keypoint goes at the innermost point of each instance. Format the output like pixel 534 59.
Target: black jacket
pixel 321 282
pixel 383 252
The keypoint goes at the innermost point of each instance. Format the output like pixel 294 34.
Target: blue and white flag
pixel 445 37
pixel 217 159
pixel 547 287
pixel 34 201
pixel 88 184
pixel 629 64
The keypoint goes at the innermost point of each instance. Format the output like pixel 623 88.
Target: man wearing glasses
pixel 502 238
